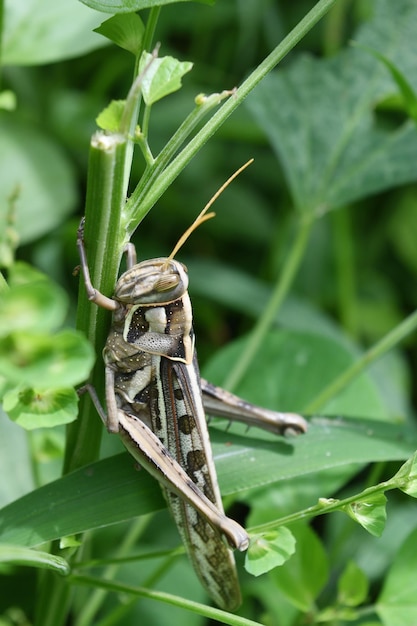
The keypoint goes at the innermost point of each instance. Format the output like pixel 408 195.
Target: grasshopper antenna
pixel 204 216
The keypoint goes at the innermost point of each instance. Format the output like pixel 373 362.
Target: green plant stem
pixel 168 553
pixel 145 121
pixel 131 108
pixel 105 198
pixel 333 28
pixel 328 506
pixel 135 210
pixel 195 607
pixel 89 610
pixel 52 600
pixel 279 293
pixel 153 18
pixel 142 205
pixel 405 328
pixel 119 612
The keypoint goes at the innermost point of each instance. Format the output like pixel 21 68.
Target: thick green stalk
pixel 105 198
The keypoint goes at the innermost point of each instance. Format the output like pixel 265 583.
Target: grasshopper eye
pixel 167 282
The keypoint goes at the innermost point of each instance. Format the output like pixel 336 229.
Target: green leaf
pixel 353 586
pixel 331 147
pixel 269 550
pixel 109 118
pixel 303 577
pixel 16 555
pixel 370 513
pixel 124 30
pixel 31 408
pixel 328 444
pixel 112 491
pixel 103 493
pixel 46 361
pixel 162 77
pixel 407 477
pixel 130 6
pixel 37 172
pixel 40 306
pixel 396 604
pixel 39 32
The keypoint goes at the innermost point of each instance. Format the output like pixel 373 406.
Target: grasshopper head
pixel 152 282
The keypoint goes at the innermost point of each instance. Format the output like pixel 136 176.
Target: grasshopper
pixel 157 403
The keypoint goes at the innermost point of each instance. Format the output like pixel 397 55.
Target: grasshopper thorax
pixel 155 281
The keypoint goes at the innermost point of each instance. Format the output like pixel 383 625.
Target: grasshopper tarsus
pixel 131 256
pixel 92 293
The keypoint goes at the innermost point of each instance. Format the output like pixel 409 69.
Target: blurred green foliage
pixel 335 146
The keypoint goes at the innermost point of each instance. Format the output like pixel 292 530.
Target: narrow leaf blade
pixel 16 555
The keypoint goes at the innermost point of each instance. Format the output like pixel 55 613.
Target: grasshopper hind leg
pixel 218 401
